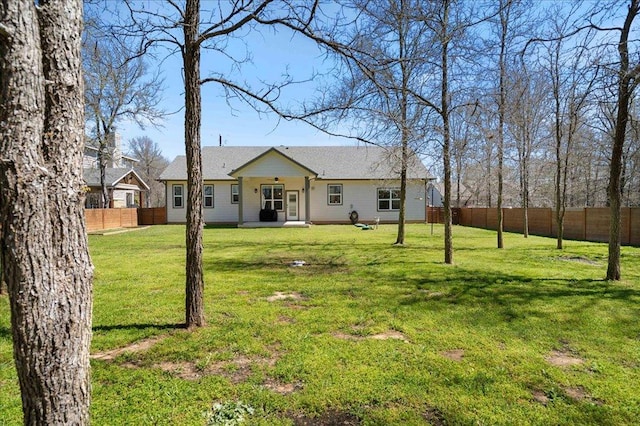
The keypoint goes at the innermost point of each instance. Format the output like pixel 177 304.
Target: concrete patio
pixel 286 224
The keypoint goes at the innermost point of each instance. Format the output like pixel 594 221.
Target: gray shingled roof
pixel 330 162
pixel 112 176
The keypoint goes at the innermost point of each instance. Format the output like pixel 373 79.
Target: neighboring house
pixel 435 195
pixel 90 159
pixel 310 184
pixel 126 187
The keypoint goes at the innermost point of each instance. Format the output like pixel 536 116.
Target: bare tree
pixel 382 60
pixel 45 259
pixel 118 86
pixel 151 164
pixel 189 30
pixel 572 78
pixel 527 101
pixel 628 74
pixel 449 23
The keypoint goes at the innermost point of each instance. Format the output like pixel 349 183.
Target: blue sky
pixel 273 54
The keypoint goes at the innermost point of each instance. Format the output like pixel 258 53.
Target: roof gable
pixel 113 177
pixel 272 163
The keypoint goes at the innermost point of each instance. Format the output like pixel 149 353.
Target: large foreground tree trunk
pixel 45 260
pixel 194 300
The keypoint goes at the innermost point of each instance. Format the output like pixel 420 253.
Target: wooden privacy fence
pixel 587 224
pixel 98 219
pixel 436 215
pixel 152 216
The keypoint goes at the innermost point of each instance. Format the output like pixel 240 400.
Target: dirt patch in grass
pixel 387 335
pixel 284 319
pixel 579 393
pixel 278 295
pixel 576 393
pixel 434 417
pixel 454 354
pixel 135 347
pixel 237 370
pixel 282 388
pixel 563 359
pixel 540 397
pixel 328 418
pixel 391 334
pixel 184 370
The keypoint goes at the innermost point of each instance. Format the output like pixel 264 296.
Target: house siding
pixel 271 165
pixel 362 196
pixel 358 195
pixel 223 210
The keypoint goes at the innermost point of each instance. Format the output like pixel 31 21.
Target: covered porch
pixel 273 192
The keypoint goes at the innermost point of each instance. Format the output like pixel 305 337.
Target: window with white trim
pixel 208 196
pixel 235 193
pixel 334 194
pixel 388 199
pixel 178 196
pixel 272 197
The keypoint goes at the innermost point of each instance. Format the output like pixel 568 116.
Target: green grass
pixel 506 310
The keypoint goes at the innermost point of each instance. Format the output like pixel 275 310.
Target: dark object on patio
pixel 268 215
pixel 353 217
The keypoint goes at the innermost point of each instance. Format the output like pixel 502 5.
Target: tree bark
pixel 446 136
pixel 502 100
pixel 625 92
pixel 45 258
pixel 194 300
pixel 402 28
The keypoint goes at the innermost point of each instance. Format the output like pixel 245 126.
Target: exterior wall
pixel 362 196
pixel 119 197
pixel 223 210
pixel 438 199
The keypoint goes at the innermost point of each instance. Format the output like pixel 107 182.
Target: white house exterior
pixel 303 184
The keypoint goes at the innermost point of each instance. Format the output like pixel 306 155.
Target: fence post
pixel 629 227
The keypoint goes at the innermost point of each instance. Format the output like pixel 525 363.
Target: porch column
pixel 240 213
pixel 307 201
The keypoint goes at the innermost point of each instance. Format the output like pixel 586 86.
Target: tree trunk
pixel 45 258
pixel 614 190
pixel 446 137
pixel 194 300
pixel 405 131
pixel 102 164
pixel 504 21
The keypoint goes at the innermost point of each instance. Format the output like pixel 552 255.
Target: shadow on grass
pixel 5 333
pixel 503 291
pixel 139 327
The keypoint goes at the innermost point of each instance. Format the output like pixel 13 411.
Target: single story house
pixel 126 188
pixel 319 184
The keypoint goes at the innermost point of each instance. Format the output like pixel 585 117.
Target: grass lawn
pixel 363 333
